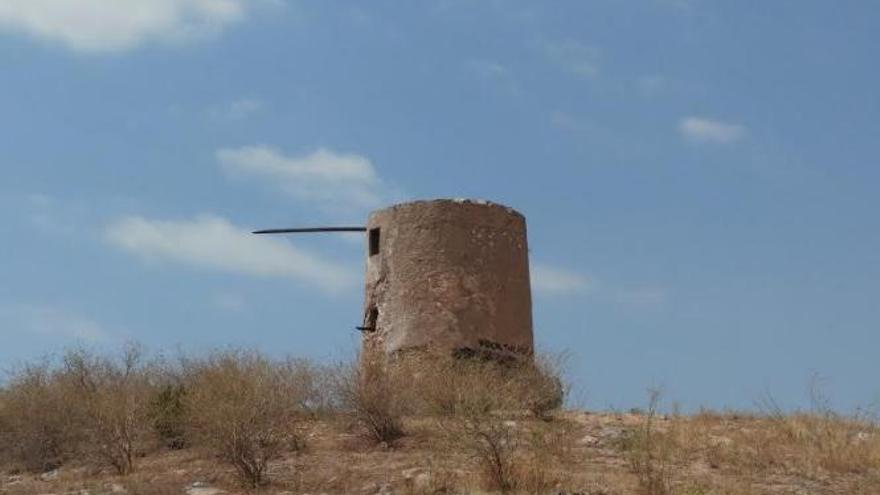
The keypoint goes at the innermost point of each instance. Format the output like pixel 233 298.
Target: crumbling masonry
pixel 450 276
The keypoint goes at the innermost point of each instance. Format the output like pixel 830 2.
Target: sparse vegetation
pixel 85 405
pixel 650 452
pixel 449 425
pixel 37 429
pixel 811 445
pixel 493 444
pixel 481 405
pixel 444 386
pixel 369 392
pixel 114 396
pixel 244 408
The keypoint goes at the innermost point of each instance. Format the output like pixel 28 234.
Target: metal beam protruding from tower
pixel 446 275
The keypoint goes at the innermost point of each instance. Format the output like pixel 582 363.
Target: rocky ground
pixel 574 452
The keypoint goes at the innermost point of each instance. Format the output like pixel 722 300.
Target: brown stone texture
pixel 449 275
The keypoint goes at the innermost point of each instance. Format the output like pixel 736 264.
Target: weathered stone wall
pixel 449 275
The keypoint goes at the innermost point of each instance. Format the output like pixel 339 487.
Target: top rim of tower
pixel 450 201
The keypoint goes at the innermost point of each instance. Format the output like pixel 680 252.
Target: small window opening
pixel 373 317
pixel 370 320
pixel 374 241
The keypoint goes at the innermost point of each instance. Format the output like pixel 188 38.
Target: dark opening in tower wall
pixel 374 241
pixel 372 319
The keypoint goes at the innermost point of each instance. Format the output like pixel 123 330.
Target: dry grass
pixel 650 452
pixel 480 406
pixel 470 427
pixel 803 443
pixel 433 385
pixel 369 392
pixel 492 443
pixel 814 446
pixel 244 409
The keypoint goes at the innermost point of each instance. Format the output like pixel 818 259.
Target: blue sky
pixel 700 178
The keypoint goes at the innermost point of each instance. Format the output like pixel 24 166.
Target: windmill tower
pixel 446 276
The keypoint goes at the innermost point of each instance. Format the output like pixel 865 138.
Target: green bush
pixel 168 415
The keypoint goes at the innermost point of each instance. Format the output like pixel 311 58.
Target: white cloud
pixel 94 26
pixel 551 280
pixel 703 130
pixel 578 58
pixel 49 321
pixel 212 242
pixel 335 181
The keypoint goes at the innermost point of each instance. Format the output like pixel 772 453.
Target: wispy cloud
pixel 550 280
pixel 212 242
pixel 568 122
pixel 237 110
pixel 487 68
pixel 494 73
pixel 651 84
pixel 50 321
pixel 578 58
pixel 704 130
pixel 95 26
pixel 331 180
pixel 40 209
pixel 51 216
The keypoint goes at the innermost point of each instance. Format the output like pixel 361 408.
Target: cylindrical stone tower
pixel 449 276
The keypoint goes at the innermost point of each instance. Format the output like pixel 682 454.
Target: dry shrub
pixel 484 401
pixel 314 384
pixel 114 398
pixel 88 405
pixel 493 444
pixel 369 390
pixel 512 455
pixel 541 385
pixel 446 386
pixel 37 428
pixel 549 457
pixel 378 391
pixel 244 408
pixel 650 452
